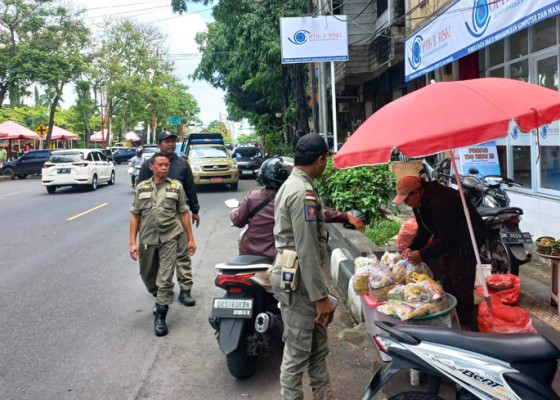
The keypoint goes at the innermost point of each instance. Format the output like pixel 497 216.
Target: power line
pixel 125 5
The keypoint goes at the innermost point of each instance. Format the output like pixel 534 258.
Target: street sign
pixel 174 121
pixel 41 130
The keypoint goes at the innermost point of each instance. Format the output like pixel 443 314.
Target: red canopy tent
pixel 62 134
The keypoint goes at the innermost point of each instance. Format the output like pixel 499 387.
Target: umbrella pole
pixel 471 232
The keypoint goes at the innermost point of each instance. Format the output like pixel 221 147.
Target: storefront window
pixel 550 167
pixel 522 165
pixel 518 45
pixel 520 71
pixel 544 34
pixel 502 159
pixel 547 72
pixel 496 51
pixel 497 73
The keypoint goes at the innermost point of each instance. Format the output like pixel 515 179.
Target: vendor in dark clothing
pixel 440 215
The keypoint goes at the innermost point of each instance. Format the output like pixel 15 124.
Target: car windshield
pixel 209 152
pixel 150 150
pixel 66 158
pixel 247 152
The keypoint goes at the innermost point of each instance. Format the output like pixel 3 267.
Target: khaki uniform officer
pixel 299 225
pixel 161 214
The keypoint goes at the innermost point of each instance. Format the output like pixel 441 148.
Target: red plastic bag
pixel 495 282
pixel 407 232
pixel 503 319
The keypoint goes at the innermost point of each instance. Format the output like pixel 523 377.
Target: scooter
pixel 482 365
pixel 134 171
pixel 246 319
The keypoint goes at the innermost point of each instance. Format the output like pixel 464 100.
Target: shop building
pixel 411 42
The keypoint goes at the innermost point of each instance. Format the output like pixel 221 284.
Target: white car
pixel 77 167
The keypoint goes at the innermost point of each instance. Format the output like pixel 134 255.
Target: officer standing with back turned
pixel 301 241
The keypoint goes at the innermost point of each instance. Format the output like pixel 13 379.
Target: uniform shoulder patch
pixel 310 205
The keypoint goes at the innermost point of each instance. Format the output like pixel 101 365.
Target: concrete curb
pixel 344 246
pixel 5 178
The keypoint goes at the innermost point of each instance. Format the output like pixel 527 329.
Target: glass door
pixel 547 171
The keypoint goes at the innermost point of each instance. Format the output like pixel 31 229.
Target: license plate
pixel 63 171
pixel 516 237
pixel 216 180
pixel 246 172
pixel 232 308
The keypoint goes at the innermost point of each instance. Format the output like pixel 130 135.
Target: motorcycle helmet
pixel 274 172
pixel 358 214
pixel 139 151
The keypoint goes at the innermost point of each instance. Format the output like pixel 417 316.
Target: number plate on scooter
pixel 516 237
pixel 232 308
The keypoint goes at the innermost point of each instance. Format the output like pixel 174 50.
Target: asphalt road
pixel 76 320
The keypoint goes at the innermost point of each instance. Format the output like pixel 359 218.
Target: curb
pixel 5 178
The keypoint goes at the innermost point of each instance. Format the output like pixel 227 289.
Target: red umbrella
pixel 11 130
pixel 132 136
pixel 98 137
pixel 449 115
pixel 62 134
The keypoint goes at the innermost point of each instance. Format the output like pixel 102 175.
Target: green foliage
pixel 275 146
pixel 382 231
pixel 367 189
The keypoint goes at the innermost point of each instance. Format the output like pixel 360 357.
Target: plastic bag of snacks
pixel 380 282
pixel 363 266
pixel 399 273
pixel 390 258
pixel 413 270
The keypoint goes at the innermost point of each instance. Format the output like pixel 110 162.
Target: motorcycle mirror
pixel 473 171
pixel 232 203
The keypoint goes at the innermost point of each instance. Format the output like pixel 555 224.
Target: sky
pixel 181 31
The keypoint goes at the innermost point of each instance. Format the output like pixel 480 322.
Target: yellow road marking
pixel 86 212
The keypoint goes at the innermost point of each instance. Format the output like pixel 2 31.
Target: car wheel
pixel 51 189
pixel 93 185
pixel 22 176
pixel 234 186
pixel 112 179
pixel 8 171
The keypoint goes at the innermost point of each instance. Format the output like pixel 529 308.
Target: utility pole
pixel 323 90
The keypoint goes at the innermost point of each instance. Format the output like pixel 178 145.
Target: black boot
pixel 186 299
pixel 160 326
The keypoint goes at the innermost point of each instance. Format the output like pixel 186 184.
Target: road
pixel 76 320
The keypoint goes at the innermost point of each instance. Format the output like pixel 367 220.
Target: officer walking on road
pixel 180 170
pixel 301 240
pixel 161 215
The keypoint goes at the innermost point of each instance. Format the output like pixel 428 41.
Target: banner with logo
pixel 314 39
pixel 468 26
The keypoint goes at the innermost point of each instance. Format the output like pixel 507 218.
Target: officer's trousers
pixel 184 268
pixel 303 349
pixel 157 263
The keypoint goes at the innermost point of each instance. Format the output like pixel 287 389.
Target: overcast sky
pixel 181 31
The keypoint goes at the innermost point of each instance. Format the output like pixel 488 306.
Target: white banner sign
pixel 483 157
pixel 468 26
pixel 314 39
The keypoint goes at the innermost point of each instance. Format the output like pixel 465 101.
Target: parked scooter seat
pixel 493 211
pixel 248 260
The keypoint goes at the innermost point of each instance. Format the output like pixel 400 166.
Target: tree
pixel 241 55
pixel 54 55
pixel 180 6
pixel 19 22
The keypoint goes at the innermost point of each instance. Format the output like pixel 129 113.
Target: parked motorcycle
pixel 246 319
pixel 482 365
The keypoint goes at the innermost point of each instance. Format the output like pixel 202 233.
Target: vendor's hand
pixel 133 250
pixel 325 311
pixel 195 220
pixel 406 252
pixel 414 257
pixel 357 222
pixel 191 248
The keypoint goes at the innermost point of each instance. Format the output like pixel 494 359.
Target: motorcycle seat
pixel 248 260
pixel 493 211
pixel 513 348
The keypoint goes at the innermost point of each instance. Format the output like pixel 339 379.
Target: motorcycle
pixel 246 319
pixel 134 171
pixel 483 366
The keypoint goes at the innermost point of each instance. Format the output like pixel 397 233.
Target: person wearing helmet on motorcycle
pixel 257 211
pixel 135 164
